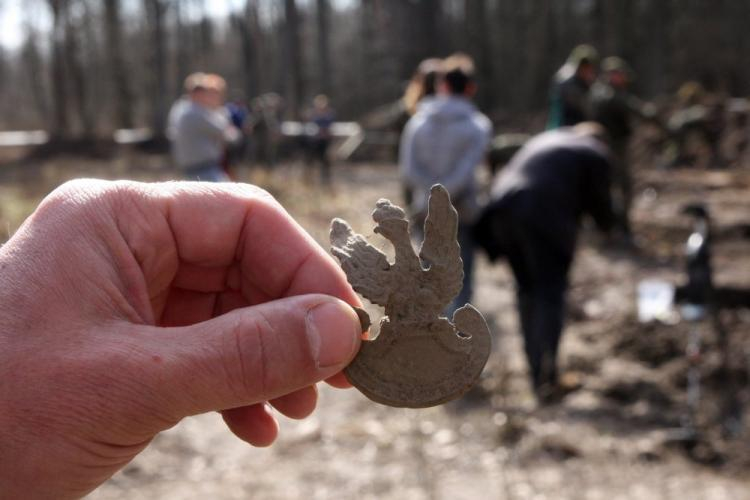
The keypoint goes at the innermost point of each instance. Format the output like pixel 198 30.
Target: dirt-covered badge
pixel 420 358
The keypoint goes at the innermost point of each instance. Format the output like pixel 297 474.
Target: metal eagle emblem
pixel 420 358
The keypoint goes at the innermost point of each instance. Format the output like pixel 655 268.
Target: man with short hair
pixel 199 128
pixel 444 143
pixel 570 88
pixel 322 117
pixel 532 219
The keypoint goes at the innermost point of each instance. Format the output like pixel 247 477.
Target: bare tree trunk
pixel 616 27
pixel 736 37
pixel 565 28
pixel 5 70
pixel 431 15
pixel 478 41
pixel 80 87
pixel 248 28
pixel 293 59
pixel 155 14
pixel 276 57
pixel 379 62
pixel 659 41
pixel 258 80
pixel 123 97
pixel 34 73
pixel 418 34
pixel 60 127
pixel 539 68
pixel 368 52
pixel 182 49
pixel 205 34
pixel 597 23
pixel 514 18
pixel 323 15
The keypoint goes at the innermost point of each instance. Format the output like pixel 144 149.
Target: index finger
pixel 212 237
pixel 218 225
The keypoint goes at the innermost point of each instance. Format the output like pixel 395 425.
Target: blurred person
pixel 532 219
pixel 239 116
pixel 503 148
pixel 420 92
pixel 126 307
pixel 199 128
pixel 444 143
pixel 569 95
pixel 183 102
pixel 322 117
pixel 423 86
pixel 268 111
pixel 696 127
pixel 391 118
pixel 614 107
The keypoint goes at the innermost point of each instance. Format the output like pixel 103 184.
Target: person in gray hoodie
pixel 444 143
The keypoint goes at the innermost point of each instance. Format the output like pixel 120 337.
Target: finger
pixel 253 424
pixel 298 404
pixel 252 354
pixel 213 225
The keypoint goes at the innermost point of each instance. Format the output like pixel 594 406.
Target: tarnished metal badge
pixel 420 358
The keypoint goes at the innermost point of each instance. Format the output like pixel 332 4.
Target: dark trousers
pixel 317 152
pixel 622 183
pixel 540 268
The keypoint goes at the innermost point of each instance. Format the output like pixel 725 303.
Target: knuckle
pixel 263 195
pixel 62 197
pixel 254 192
pixel 245 360
pixel 77 196
pixel 79 209
pixel 258 197
pixel 77 191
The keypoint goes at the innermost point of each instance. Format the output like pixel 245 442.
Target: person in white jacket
pixel 444 143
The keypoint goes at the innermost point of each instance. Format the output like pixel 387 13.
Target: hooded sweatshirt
pixel 443 143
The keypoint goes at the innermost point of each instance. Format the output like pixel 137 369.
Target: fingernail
pixel 332 329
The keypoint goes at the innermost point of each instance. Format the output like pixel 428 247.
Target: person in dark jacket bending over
pixel 532 219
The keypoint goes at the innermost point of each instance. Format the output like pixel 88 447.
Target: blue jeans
pixel 466 241
pixel 207 173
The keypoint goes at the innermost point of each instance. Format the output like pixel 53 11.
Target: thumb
pixel 253 354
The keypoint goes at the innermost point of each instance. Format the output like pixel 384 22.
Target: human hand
pixel 125 307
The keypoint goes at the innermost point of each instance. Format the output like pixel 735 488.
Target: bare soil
pixel 614 437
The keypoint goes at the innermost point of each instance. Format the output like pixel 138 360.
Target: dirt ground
pixel 615 437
